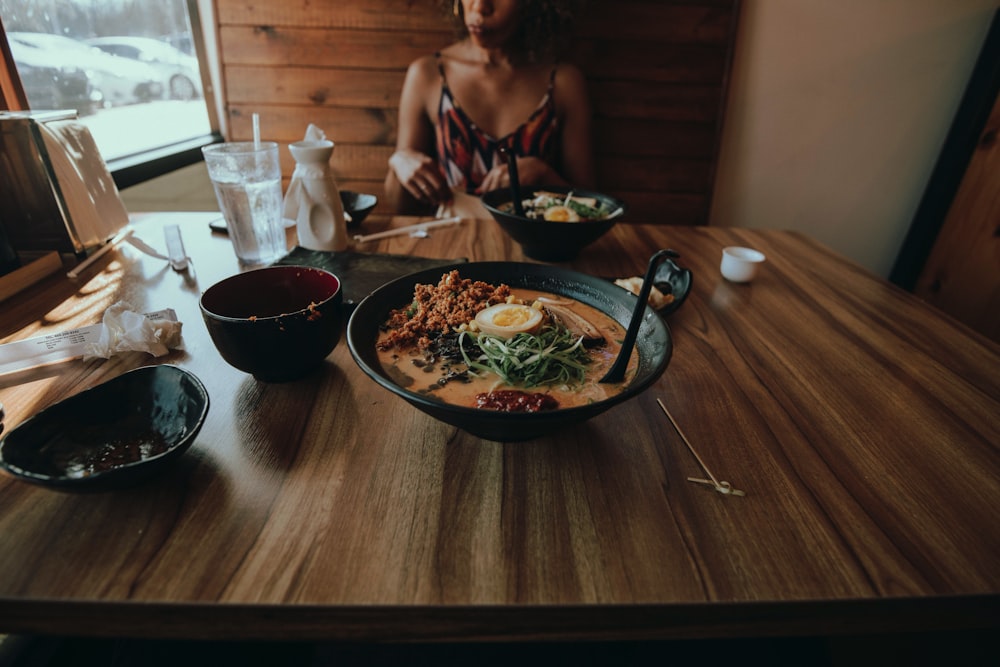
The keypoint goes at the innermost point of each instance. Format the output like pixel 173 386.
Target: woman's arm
pixel 415 182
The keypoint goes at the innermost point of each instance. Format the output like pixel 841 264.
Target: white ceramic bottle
pixel 319 216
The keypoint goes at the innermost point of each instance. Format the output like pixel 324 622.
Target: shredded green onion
pixel 554 356
pixel 588 212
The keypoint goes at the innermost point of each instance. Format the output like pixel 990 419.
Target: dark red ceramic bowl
pixel 277 323
pixel 549 241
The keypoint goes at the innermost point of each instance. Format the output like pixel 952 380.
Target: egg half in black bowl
pixel 553 240
pixel 109 436
pixel 654 344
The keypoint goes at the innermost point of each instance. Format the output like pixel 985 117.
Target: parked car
pixel 120 80
pixel 50 83
pixel 181 41
pixel 179 71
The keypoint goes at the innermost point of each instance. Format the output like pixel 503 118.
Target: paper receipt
pixel 50 348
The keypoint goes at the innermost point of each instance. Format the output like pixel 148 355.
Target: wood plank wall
pixel 657 71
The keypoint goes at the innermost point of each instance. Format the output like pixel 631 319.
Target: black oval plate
pixel 112 435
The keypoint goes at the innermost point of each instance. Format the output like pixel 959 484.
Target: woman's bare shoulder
pixel 571 77
pixel 423 70
pixel 570 85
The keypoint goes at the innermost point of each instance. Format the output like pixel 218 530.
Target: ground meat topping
pixel 439 308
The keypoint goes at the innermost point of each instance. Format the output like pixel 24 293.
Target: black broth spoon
pixel 515 185
pixel 617 371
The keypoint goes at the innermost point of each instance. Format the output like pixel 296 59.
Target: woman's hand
pixel 530 171
pixel 420 175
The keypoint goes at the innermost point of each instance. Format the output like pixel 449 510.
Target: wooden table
pixel 862 424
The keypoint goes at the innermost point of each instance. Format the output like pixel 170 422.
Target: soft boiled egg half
pixel 561 214
pixel 508 319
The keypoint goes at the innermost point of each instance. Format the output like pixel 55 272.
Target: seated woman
pixel 499 86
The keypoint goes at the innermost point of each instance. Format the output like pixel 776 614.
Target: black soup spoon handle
pixel 617 371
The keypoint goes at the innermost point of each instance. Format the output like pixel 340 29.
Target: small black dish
pixel 674 280
pixel 358 205
pixel 110 436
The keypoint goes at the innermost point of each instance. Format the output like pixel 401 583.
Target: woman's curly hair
pixel 545 27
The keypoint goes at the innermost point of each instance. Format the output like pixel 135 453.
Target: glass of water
pixel 247 181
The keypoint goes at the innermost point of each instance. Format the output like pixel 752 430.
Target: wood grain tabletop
pixel 861 423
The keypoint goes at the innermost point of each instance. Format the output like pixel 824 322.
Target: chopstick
pixel 722 487
pixel 418 227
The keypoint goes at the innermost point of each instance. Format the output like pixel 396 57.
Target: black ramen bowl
pixel 654 344
pixel 358 205
pixel 546 240
pixel 110 436
pixel 277 323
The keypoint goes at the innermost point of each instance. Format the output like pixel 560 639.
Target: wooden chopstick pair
pixel 722 487
pixel 417 228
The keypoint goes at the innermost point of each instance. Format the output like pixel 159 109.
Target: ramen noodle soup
pixel 477 345
pixel 554 207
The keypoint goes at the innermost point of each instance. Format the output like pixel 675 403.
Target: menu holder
pixel 362 273
pixel 58 192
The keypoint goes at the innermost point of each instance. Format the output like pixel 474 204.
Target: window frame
pixel 134 169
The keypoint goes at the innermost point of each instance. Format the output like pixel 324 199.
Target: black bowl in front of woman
pixel 561 238
pixel 654 344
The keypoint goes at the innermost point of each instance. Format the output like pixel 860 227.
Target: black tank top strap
pixel 440 65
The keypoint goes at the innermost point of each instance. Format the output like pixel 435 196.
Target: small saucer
pixel 674 280
pixel 671 280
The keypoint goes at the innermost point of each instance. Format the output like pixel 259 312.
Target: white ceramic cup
pixel 740 264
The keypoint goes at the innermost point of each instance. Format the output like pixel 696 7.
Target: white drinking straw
pixel 256 131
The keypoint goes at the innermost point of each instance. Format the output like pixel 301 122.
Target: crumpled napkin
pixel 128 331
pixel 293 200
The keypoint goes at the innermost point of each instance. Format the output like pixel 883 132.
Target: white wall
pixel 837 112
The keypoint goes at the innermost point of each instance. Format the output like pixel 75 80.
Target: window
pixel 130 69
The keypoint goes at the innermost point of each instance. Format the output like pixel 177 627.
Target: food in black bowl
pixel 558 222
pixel 357 206
pixel 584 320
pixel 671 286
pixel 112 435
pixel 277 323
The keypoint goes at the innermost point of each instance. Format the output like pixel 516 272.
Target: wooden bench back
pixel 657 72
